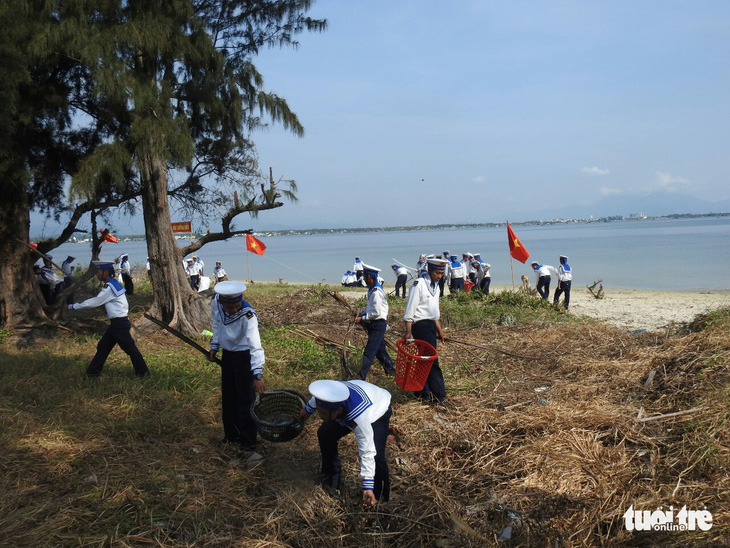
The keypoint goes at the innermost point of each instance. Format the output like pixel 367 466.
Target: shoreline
pixel 632 309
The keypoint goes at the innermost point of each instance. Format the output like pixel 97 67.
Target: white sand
pixel 643 308
pixel 646 309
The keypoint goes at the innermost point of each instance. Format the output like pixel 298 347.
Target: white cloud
pixel 668 183
pixel 606 191
pixel 479 179
pixel 595 171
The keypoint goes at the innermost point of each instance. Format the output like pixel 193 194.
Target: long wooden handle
pixel 182 337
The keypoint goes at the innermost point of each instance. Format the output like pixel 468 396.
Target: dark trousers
pixel 401 283
pixel 128 283
pixel 47 293
pixel 457 284
pixel 442 283
pixel 117 333
pixel 484 285
pixel 435 387
pixel 543 286
pixel 68 282
pixel 330 433
pixel 195 282
pixel 375 348
pixel 563 287
pixel 237 396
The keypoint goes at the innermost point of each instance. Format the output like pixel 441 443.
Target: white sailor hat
pixel 190 259
pixel 103 264
pixel 438 265
pixel 534 262
pixel 564 257
pixel 367 269
pixel 329 394
pixel 229 291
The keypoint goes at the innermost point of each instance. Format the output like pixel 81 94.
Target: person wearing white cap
pixel 401 274
pixel 126 270
pixel 113 298
pixel 542 275
pixel 421 317
pixel 374 318
pixel 220 273
pixel 565 280
pixel 357 270
pixel 445 280
pixel 200 264
pixel 193 273
pixel 457 273
pixel 236 331
pixel 353 406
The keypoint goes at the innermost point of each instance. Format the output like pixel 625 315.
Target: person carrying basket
pixel 421 318
pixel 236 331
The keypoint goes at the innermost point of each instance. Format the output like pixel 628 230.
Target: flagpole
pixel 511 264
pixel 248 271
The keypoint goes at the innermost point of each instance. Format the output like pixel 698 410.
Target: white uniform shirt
pixel 377 306
pixel 67 269
pixel 457 270
pixel 366 404
pixel 544 270
pixel 401 270
pixel 219 272
pixel 49 277
pixel 192 270
pixel 125 268
pixel 423 301
pixel 565 275
pixel 237 332
pixel 112 297
pixel 199 265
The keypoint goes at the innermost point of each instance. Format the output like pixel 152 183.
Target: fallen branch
pixel 670 415
pixel 182 337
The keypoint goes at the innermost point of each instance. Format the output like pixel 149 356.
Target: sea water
pixel 669 254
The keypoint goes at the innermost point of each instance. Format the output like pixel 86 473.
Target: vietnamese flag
pixel 108 237
pixel 254 246
pixel 516 249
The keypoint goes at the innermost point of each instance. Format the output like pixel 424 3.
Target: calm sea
pixel 677 254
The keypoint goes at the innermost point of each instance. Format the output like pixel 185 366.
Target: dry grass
pixel 548 444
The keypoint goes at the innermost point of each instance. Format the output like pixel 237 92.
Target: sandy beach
pixel 643 308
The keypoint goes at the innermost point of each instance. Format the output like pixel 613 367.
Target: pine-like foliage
pixel 174 80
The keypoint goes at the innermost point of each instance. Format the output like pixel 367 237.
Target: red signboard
pixel 184 227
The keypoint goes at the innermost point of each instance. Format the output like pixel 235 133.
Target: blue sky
pixel 468 111
pixel 473 111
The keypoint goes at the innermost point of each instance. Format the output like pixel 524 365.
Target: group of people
pixel 194 269
pixel 543 277
pixel 344 406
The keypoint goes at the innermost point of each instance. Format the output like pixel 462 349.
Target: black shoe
pixel 143 375
pixel 443 403
pixel 92 375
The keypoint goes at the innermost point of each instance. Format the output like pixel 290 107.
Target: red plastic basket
pixel 468 284
pixel 413 364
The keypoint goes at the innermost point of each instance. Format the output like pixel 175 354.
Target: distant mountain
pixel 653 205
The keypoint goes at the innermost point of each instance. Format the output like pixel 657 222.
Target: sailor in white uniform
pixel 374 318
pixel 353 406
pixel 114 300
pixel 422 321
pixel 236 332
pixel 565 280
pixel 542 277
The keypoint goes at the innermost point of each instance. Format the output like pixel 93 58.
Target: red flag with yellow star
pixel 254 245
pixel 516 249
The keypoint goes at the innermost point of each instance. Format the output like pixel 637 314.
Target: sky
pixel 430 112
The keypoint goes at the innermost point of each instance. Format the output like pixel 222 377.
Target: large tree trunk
pixel 174 301
pixel 21 302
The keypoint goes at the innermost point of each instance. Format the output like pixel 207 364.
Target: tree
pixel 117 95
pixel 168 86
